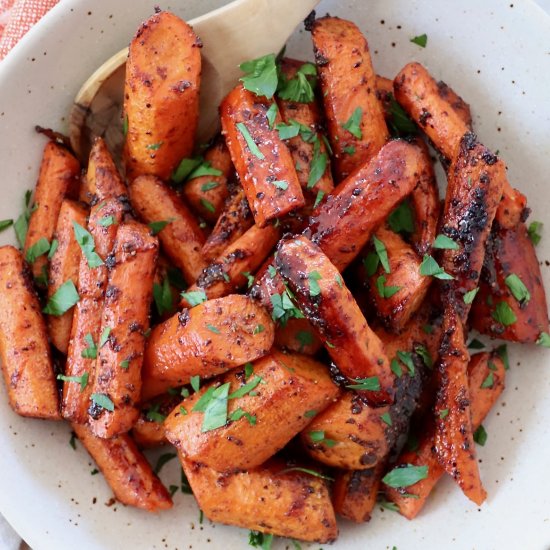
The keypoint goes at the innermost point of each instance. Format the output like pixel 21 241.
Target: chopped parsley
pixel 194 297
pixel 430 268
pixel 407 359
pixel 420 40
pixel 353 124
pixel 386 418
pixel 544 340
pixel 104 336
pixel 480 435
pixel 445 243
pixel 369 384
pixel 208 186
pixel 280 184
pixel 21 225
pixel 260 75
pixel 154 415
pixel 385 291
pixel 249 141
pixel 318 165
pixel 283 308
pixel 82 380
pixel 162 460
pixel 401 220
pixel 488 382
pixel 271 115
pixel 89 352
pixel 102 400
pixel 534 232
pixel 399 121
pixel 157 227
pixel 39 248
pixel 405 476
pixel 504 314
pixel 65 297
pixel 470 295
pixel 154 146
pixel 87 245
pixel 518 289
pixel 4 224
pixel 299 88
pixel 319 437
pixel 162 295
pixel 314 288
pixel 318 198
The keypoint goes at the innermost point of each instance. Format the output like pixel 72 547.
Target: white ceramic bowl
pixel 496 54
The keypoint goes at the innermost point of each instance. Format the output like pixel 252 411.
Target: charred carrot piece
pixel 235 219
pixel 58 179
pixel 512 209
pixel 86 326
pixel 308 150
pixel 431 107
pixel 453 440
pixel 483 396
pixel 206 340
pixel 281 386
pixel 355 119
pixel 511 303
pixel 262 160
pixel 161 96
pixel 206 194
pixel 125 470
pixel 64 266
pixel 148 431
pixel 475 182
pixel 354 493
pixel 330 307
pixel 231 270
pixel 117 382
pixel 103 180
pixel 181 237
pixel 24 349
pixel 273 491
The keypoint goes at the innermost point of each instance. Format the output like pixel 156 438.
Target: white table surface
pixel 9 539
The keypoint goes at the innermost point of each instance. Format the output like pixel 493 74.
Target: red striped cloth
pixel 17 17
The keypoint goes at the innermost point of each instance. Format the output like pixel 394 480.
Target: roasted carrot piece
pixel 228 273
pixel 355 119
pixel 475 182
pixel 64 266
pixel 431 107
pixel 297 335
pixel 511 263
pixel 207 194
pixel 233 222
pixel 331 309
pixel 125 318
pixel 103 180
pixel 24 349
pixel 483 397
pixel 148 431
pixel 280 499
pixel 276 396
pixel 161 96
pixel 262 160
pixel 181 238
pixel 58 179
pixel 354 493
pixel 86 326
pixel 396 295
pixel 512 209
pixel 206 340
pixel 453 440
pixel 125 470
pixel 308 151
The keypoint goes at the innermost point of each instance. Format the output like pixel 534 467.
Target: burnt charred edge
pixel 468 142
pixel 212 274
pixel 320 59
pixel 309 21
pixel 358 479
pixel 56 137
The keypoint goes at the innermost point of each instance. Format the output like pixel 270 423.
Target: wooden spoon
pixel 236 32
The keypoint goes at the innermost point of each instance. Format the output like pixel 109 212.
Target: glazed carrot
pixel 425 203
pixel 277 397
pixel 125 470
pixel 262 160
pixel 86 326
pixel 103 180
pixel 299 336
pixel 331 309
pixel 64 266
pixel 148 431
pixel 206 194
pixel 181 238
pixel 161 96
pixel 396 295
pixel 308 149
pixel 511 263
pixel 117 383
pixel 24 349
pixel 355 119
pixel 354 493
pixel 431 107
pixel 234 220
pixel 453 440
pixel 280 499
pixel 206 340
pixel 483 397
pixel 244 256
pixel 58 179
pixel 345 222
pixel 475 182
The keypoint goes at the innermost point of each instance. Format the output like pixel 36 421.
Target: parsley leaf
pixel 480 435
pixel 534 232
pixel 318 436
pixel 430 268
pixel 401 220
pixel 4 224
pixel 39 248
pixel 405 476
pixel 87 244
pixel 21 225
pixel 399 122
pixel 162 294
pixel 104 336
pixel 518 289
pixel 470 295
pixel 283 308
pixel 396 368
pixel 420 40
pixel 353 124
pixel 208 186
pixel 65 297
pixel 215 411
pixel 249 141
pixel 406 358
pixel 204 169
pixel 386 418
pixel 91 351
pixel 185 167
pixel 271 115
pixel 307 471
pixel 318 198
pixel 318 165
pixel 386 291
pixel 212 328
pixel 280 184
pixel 102 400
pixel 195 382
pixel 544 340
pixel 82 380
pixel 445 243
pixel 382 253
pixel 504 314
pixel 260 75
pixel 207 205
pixel 314 288
pixel 299 88
pixel 194 297
pixel 162 460
pixel 425 354
pixel 488 382
pixel 154 415
pixel 370 384
pixel 305 338
pixel 247 388
pixel 157 227
pixel 237 414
